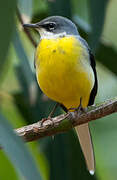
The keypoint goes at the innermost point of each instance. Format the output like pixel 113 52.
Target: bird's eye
pixel 51 26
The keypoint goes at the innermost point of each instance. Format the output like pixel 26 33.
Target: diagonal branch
pixel 67 121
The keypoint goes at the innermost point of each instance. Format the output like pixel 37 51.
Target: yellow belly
pixel 63 71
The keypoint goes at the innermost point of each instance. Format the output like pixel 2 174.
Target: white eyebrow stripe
pixel 48 22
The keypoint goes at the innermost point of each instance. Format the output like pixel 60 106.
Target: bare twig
pixel 25 29
pixel 67 121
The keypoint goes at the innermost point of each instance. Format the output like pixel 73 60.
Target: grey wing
pixel 93 65
pixel 95 87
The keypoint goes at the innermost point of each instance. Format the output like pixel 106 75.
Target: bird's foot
pixel 44 120
pixel 79 110
pixel 47 119
pixel 50 115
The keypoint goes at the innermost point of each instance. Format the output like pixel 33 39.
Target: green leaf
pixel 107 55
pixel 23 58
pixel 25 8
pixel 60 7
pixel 81 9
pixel 4 66
pixel 17 151
pixel 40 7
pixel 7 10
pixel 97 16
pixel 40 159
pixel 11 174
pixel 26 71
pixel 82 23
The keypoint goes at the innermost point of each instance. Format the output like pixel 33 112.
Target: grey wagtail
pixel 66 73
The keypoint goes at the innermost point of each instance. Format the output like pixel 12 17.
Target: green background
pixel 22 102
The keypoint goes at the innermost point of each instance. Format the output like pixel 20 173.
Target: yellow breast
pixel 63 71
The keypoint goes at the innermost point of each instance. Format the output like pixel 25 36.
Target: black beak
pixel 30 25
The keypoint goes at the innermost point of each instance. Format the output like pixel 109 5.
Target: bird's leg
pixel 53 110
pixel 50 115
pixel 79 109
pixel 64 108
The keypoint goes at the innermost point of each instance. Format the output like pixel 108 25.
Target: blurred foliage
pixel 6 20
pixel 97 21
pixel 22 102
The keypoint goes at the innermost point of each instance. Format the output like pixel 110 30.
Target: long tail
pixel 84 136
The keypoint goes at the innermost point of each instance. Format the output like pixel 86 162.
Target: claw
pixel 79 109
pixel 50 115
pixel 46 119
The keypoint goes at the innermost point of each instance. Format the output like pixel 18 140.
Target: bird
pixel 66 72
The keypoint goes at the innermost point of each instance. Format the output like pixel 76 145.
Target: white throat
pixel 49 35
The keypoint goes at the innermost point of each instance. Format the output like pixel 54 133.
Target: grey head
pixel 54 26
